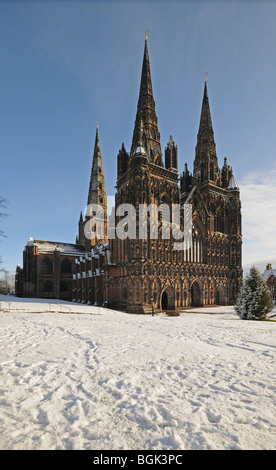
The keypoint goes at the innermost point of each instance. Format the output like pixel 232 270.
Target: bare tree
pixel 7 282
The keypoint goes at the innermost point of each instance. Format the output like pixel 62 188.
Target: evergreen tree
pixel 254 301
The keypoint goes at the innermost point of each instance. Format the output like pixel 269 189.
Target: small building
pixel 47 270
pixel 270 278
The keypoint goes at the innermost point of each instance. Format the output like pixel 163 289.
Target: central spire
pixel 205 125
pixel 146 85
pixel 146 118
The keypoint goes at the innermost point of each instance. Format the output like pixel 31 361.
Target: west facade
pixel 137 273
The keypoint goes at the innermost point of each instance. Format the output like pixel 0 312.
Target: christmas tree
pixel 254 301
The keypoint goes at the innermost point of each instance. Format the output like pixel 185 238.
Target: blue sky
pixel 66 65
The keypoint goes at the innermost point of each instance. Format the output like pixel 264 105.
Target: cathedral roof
pixel 50 247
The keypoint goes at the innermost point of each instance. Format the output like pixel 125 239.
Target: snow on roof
pixel 232 183
pixel 267 273
pixel 140 150
pixel 64 248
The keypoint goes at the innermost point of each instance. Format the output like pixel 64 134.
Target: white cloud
pixel 258 197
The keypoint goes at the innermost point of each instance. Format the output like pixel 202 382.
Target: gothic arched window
pixel 46 266
pixel 65 267
pixel 196 250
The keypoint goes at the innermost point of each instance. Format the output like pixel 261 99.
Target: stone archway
pixel 221 296
pixel 167 301
pixel 196 295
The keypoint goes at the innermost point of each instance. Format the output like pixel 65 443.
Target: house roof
pixel 268 272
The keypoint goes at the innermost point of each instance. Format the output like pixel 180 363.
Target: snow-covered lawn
pixel 109 380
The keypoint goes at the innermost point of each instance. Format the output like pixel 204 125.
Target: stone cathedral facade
pixel 138 274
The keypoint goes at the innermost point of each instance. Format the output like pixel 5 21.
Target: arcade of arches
pixel 183 293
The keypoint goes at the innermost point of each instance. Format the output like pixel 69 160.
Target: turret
pixel 226 174
pixel 186 181
pixel 122 161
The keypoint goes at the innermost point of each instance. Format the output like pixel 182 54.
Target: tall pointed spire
pixel 97 192
pixel 145 85
pixel 206 163
pixel 146 118
pixel 205 118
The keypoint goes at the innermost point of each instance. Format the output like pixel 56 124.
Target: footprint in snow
pixel 213 418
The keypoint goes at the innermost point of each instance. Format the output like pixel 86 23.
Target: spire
pixel 97 193
pixel 145 85
pixel 205 164
pixel 146 118
pixel 205 118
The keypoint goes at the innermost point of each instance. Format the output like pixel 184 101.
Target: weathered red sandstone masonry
pixel 141 273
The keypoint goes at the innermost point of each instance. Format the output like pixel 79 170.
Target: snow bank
pixel 117 381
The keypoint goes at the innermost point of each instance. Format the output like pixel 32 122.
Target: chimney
pixel 268 267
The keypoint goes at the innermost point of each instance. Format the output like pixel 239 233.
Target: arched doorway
pixel 220 296
pixel 164 301
pixel 196 300
pixel 167 299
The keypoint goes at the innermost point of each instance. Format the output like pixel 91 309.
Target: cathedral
pixel 108 267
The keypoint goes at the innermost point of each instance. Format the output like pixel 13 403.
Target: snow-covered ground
pixel 109 380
